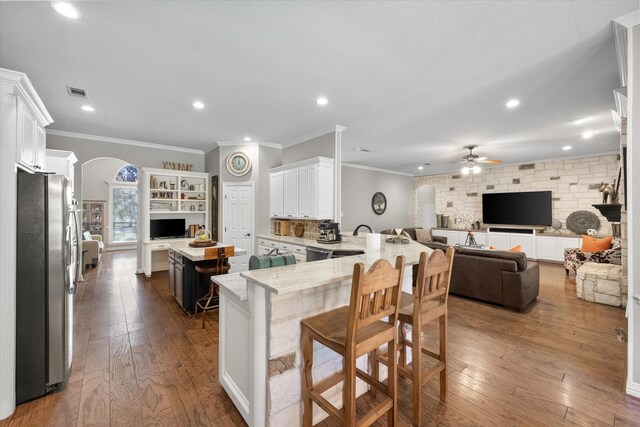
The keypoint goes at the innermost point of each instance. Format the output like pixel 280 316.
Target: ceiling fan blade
pixel 492 161
pixel 479 159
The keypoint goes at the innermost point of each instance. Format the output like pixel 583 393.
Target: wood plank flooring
pixel 139 360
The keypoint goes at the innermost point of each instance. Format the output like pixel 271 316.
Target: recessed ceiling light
pixel 88 108
pixel 588 134
pixel 566 148
pixel 65 9
pixel 581 120
pixel 322 101
pixel 512 103
pixel 420 167
pixel 246 138
pixel 198 105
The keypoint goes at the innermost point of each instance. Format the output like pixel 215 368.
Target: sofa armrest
pixel 93 248
pixel 521 288
pixel 440 239
pixel 97 237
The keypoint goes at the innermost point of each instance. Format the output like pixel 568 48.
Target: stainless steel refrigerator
pixel 47 243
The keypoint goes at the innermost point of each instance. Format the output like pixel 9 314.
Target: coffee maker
pixel 329 232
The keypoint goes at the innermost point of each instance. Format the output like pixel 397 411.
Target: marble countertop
pixel 197 254
pixel 234 283
pixel 307 275
pixel 347 243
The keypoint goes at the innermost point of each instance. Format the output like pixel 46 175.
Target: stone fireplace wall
pixel 574 183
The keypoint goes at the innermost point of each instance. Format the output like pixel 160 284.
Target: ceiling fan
pixel 470 161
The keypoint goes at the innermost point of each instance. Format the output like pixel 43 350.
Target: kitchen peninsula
pixel 260 314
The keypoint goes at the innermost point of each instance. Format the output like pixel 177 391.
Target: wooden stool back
pixel 434 276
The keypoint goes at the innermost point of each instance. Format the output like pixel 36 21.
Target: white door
pixel 238 222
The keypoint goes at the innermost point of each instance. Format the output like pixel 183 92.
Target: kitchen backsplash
pixel 310 227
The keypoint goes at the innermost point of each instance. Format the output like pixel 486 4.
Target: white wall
pixel 321 146
pixel 358 187
pixel 96 173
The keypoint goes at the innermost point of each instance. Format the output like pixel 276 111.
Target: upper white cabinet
pixel 291 193
pixel 302 190
pixel 276 199
pixel 28 117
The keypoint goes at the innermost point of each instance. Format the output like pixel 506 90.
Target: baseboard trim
pixel 633 389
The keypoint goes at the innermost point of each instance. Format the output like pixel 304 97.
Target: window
pixel 124 205
pixel 127 173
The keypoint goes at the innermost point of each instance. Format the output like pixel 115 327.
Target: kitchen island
pixel 260 314
pixel 186 284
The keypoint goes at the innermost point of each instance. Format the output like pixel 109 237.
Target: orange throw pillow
pixel 516 248
pixel 593 244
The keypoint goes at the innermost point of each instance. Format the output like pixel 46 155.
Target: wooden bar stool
pixel 428 303
pixel 353 331
pixel 216 263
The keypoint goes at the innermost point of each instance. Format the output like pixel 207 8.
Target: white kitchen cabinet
pixel 276 189
pixel 40 149
pixel 302 190
pixel 291 193
pixel 31 137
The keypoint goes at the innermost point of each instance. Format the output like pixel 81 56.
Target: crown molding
pixel 248 144
pixel 353 165
pixel 122 141
pixel 23 84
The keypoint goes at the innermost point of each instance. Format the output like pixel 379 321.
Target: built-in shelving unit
pixel 170 194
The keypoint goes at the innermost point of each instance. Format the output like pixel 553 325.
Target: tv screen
pixel 525 208
pixel 166 228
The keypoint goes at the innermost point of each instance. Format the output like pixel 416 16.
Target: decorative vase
pixel 445 221
pixel 299 229
pixel 439 220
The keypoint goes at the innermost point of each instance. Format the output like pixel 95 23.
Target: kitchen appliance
pixel 329 232
pixel 45 276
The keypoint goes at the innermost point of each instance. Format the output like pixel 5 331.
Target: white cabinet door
pixel 291 191
pixel 566 243
pixel 526 242
pixel 276 199
pixel 303 197
pixel 40 153
pixel 499 241
pixel 312 191
pixel 547 247
pixel 26 149
pixel 324 189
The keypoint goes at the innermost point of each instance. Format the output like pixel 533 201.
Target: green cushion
pixel 86 236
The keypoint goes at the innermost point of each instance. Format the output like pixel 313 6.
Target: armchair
pixel 95 248
pixel 574 257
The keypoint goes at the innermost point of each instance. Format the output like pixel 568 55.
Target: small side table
pixel 601 283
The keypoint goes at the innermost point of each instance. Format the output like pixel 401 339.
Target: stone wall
pixel 573 182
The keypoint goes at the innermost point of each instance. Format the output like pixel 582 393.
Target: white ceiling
pixel 412 81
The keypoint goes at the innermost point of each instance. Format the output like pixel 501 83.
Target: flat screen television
pixel 166 228
pixel 524 208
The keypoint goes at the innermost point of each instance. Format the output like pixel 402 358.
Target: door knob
pixel 247 235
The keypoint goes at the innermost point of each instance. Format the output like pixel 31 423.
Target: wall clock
pixel 238 164
pixel 379 203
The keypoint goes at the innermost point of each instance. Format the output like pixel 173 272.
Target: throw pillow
pixel 423 235
pixel 86 236
pixel 516 248
pixel 593 244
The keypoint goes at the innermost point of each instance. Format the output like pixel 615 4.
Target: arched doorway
pixel 110 201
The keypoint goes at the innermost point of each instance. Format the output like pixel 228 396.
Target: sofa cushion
pixel 86 235
pixel 423 235
pixel 518 257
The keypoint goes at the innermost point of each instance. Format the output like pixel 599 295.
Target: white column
pixel 337 176
pixel 633 185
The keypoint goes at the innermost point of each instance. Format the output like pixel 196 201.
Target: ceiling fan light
pixel 465 170
pixel 476 169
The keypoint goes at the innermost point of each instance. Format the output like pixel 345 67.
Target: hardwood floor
pixel 139 360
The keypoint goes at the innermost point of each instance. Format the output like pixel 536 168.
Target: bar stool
pixel 217 262
pixel 353 331
pixel 428 303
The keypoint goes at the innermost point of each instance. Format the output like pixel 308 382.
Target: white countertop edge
pixel 234 284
